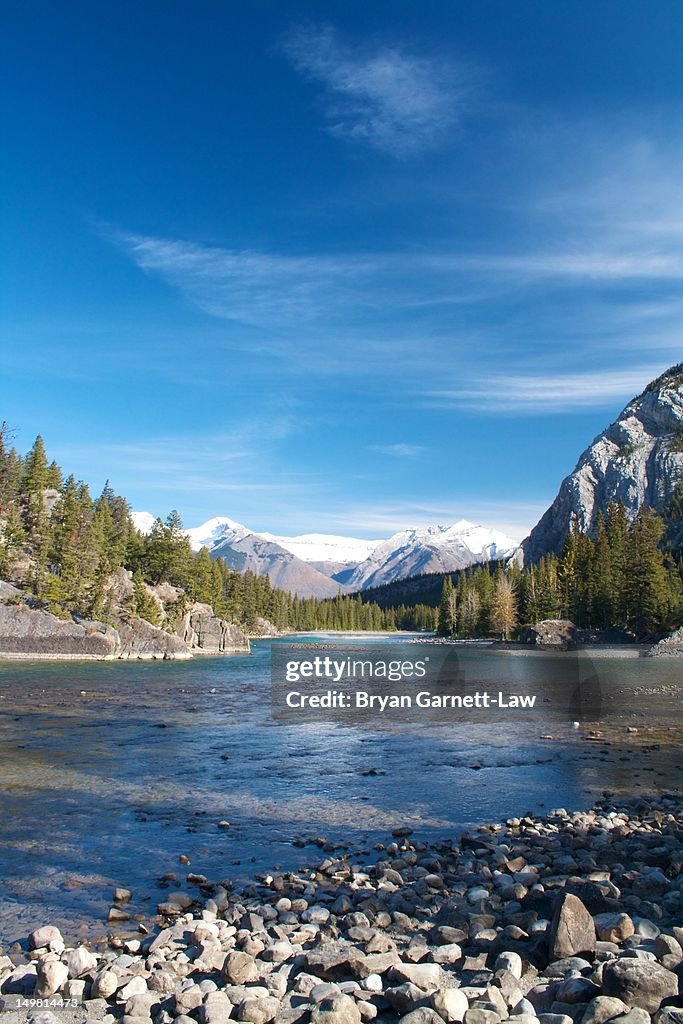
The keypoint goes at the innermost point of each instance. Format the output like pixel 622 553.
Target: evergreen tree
pixel 647 591
pixel 34 512
pixel 142 603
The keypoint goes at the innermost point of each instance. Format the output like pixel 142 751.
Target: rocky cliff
pixel 29 631
pixel 638 460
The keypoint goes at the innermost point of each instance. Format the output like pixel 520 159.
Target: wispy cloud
pixel 549 392
pixel 271 289
pixel 301 293
pixel 395 101
pixel 402 450
pixel 228 460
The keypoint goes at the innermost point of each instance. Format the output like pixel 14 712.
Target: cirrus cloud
pixel 394 101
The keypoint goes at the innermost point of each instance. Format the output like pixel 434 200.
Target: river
pixel 112 771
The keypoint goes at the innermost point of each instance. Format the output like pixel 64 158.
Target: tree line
pixel 621 575
pixel 62 545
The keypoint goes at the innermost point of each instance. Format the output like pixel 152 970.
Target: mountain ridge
pixel 302 564
pixel 636 460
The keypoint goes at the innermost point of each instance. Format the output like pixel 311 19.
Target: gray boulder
pixel 571 930
pixel 637 982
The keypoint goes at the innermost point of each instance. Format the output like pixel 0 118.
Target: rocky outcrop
pixel 29 631
pixel 637 460
pixel 139 639
pixel 562 632
pixel 671 646
pixel 205 633
pixel 550 633
pixel 264 627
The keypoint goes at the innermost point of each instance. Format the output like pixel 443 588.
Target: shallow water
pixel 110 786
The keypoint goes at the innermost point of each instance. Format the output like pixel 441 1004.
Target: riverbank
pixel 568 918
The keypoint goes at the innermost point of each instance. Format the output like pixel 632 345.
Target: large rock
pixel 614 927
pixel 140 640
pixel 671 646
pixel 336 1009
pixel 239 968
pixel 603 1008
pixel 451 1004
pixel 334 960
pixel 572 931
pixel 642 983
pixel 79 961
pixel 27 632
pixel 549 633
pixel 206 633
pixel 52 974
pixel 48 936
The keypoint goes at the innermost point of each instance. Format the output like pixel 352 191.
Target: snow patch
pixel 143 521
pixel 325 547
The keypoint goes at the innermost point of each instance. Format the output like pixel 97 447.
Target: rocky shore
pixel 29 631
pixel 572 918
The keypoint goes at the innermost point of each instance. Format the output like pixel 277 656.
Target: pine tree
pixel 647 589
pixel 142 603
pixel 469 610
pixel 618 539
pixel 34 513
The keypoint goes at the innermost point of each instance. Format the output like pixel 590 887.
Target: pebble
pixel 576 918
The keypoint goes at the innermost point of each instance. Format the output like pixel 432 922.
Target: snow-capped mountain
pixel 430 549
pixel 325 547
pixel 322 565
pixel 142 521
pixel 215 531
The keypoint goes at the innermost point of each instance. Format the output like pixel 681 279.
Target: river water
pixel 111 771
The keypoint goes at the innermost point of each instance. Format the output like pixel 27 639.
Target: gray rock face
pixel 205 633
pixel 671 646
pixel 571 930
pixel 28 631
pixel 642 983
pixel 635 460
pixel 550 633
pixel 141 640
pixel 31 633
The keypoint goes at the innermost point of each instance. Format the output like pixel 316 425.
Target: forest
pixel 60 544
pixel 624 575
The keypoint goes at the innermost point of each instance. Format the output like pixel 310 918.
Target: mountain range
pixel 323 565
pixel 637 459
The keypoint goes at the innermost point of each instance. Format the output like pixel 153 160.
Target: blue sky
pixel 337 267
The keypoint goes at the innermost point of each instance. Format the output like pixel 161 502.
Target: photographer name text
pixel 362 700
